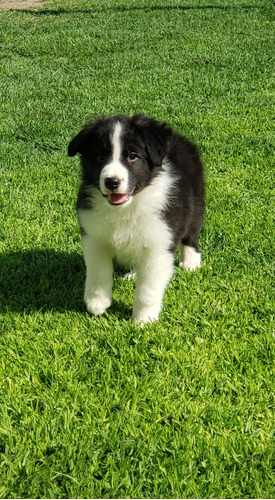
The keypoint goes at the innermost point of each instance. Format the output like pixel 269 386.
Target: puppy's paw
pixel 97 304
pixel 129 276
pixel 145 315
pixel 190 259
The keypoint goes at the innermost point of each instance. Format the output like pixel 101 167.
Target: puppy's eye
pixel 133 156
pixel 100 156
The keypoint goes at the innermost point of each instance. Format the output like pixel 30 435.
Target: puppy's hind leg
pixel 190 257
pixel 131 275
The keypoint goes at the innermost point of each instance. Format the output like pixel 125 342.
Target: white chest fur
pixel 133 231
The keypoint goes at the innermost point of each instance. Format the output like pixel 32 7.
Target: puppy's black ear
pixel 77 143
pixel 155 135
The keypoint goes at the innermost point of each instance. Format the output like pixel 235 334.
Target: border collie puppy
pixel 141 196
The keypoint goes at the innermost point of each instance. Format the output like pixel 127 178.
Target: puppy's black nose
pixel 112 183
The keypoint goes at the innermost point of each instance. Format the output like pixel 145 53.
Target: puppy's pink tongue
pixel 118 199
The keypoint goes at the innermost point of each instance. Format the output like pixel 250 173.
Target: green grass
pixel 98 407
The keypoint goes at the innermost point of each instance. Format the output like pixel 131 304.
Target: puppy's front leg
pixel 99 275
pixel 152 280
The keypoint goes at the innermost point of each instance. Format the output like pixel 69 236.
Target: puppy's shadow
pixel 47 280
pixel 41 280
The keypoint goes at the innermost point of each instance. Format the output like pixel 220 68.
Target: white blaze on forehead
pixel 115 168
pixel 115 141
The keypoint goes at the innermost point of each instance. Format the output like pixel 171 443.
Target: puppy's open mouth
pixel 119 199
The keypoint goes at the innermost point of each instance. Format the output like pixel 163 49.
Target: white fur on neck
pixel 130 230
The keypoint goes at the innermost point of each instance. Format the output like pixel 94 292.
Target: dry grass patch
pixel 20 4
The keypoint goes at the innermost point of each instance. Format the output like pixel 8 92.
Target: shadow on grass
pixel 46 280
pixel 41 280
pixel 121 9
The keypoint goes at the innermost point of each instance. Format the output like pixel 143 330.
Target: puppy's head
pixel 121 155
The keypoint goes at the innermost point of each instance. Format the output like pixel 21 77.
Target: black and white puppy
pixel 141 195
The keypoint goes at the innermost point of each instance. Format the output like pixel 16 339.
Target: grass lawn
pixel 99 407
